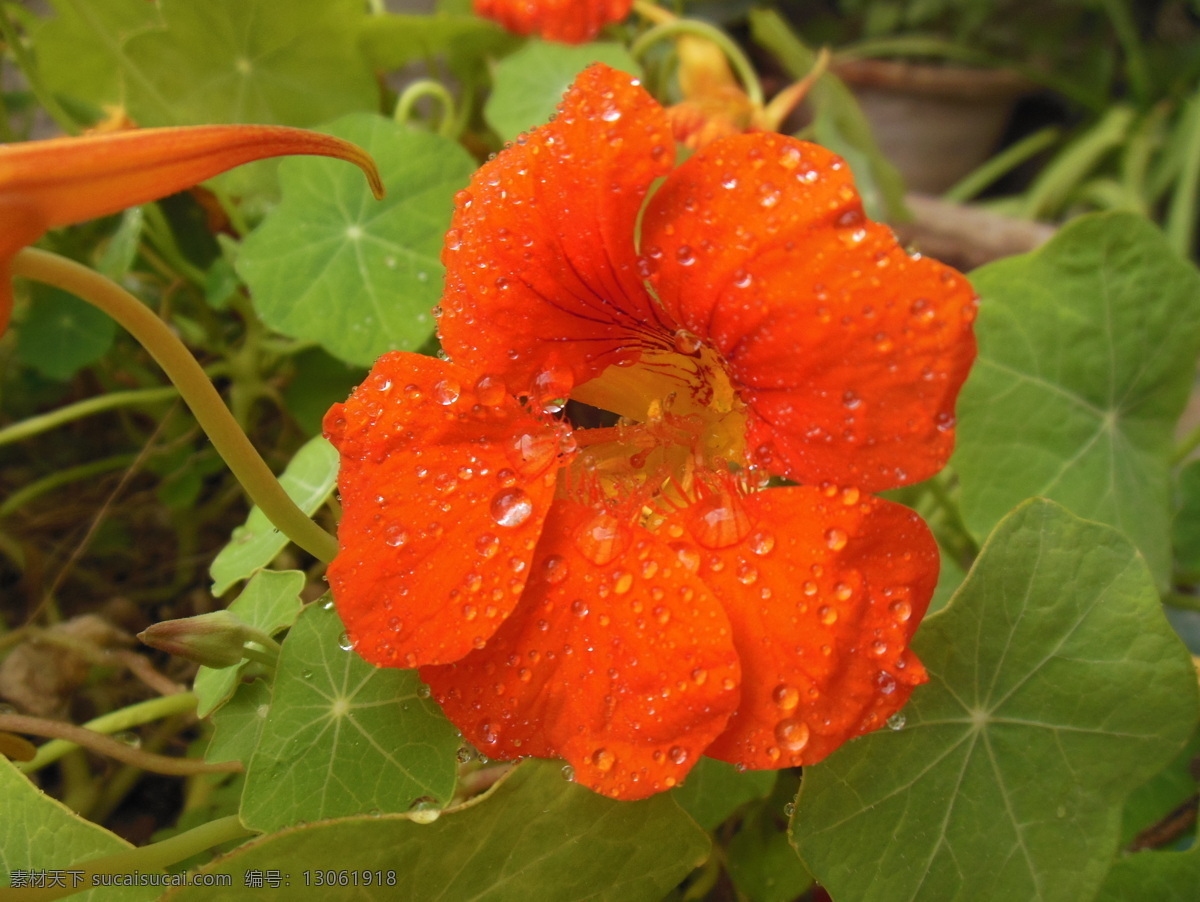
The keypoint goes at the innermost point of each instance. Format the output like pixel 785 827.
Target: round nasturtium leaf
pixel 359 276
pixel 1056 688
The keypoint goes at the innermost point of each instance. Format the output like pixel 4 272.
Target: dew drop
pixel 885 682
pixel 686 343
pixel 685 255
pixel 789 809
pixel 718 521
pixel 487 545
pixel 678 754
pixel 827 614
pixel 622 582
pixel 345 643
pixel 896 721
pixel 901 611
pixel 554 569
pixel 785 697
pixel 490 391
pixel 762 542
pixel 395 536
pixel 836 539
pixel 792 734
pixel 446 392
pixel 511 507
pixel 604 760
pixel 945 421
pixel 602 539
pixel 568 773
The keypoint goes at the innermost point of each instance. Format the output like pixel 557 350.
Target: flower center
pixel 679 417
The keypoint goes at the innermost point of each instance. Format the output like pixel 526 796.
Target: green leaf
pixel 1056 687
pixel 270 603
pixel 62 334
pixel 308 480
pixel 536 836
pixel 38 833
pixel 358 276
pixel 714 790
pixel 762 863
pixel 319 382
pixel 466 42
pixel 294 63
pixel 343 737
pixel 1186 530
pixel 238 724
pixel 81 51
pixel 1154 877
pixel 529 84
pixel 1087 348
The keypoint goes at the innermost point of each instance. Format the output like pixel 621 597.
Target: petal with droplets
pixel 569 21
pixel 849 352
pixel 444 485
pixel 625 669
pixel 541 246
pixel 824 593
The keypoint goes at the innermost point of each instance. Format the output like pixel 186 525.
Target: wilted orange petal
pixel 824 590
pixel 570 21
pixel 445 481
pixel 849 351
pixel 73 179
pixel 541 269
pixel 626 669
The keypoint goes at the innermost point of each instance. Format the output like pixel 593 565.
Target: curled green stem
pixel 193 385
pixel 733 53
pixel 147 859
pixel 427 87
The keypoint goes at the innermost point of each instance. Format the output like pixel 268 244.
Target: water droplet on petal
pixel 395 536
pixel 490 390
pixel 686 343
pixel 677 754
pixel 792 734
pixel 718 521
pixel 511 507
pixel 446 392
pixel 836 539
pixel 604 760
pixel 602 539
pixel 885 682
pixel 785 696
pixel 555 569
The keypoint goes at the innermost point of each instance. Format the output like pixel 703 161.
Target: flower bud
pixel 215 639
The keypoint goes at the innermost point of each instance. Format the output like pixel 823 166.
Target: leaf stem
pixel 24 429
pixel 745 71
pixel 113 722
pixel 193 385
pixel 113 748
pixel 154 857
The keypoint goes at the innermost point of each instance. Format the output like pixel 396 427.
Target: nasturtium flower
pixel 60 181
pixel 569 21
pixel 574 526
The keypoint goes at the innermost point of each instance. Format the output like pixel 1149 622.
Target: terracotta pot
pixel 935 123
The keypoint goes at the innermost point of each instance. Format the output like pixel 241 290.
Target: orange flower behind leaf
pixel 569 21
pixel 47 184
pixel 569 526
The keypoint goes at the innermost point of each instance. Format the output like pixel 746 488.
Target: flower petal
pixel 445 481
pixel 824 589
pixel 541 268
pixel 849 352
pixel 625 669
pixel 569 21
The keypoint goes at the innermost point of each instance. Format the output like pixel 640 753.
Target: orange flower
pixel 569 528
pixel 47 184
pixel 570 21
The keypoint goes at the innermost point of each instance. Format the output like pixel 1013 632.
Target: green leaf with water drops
pixel 1087 349
pixel 38 833
pixel 537 836
pixel 1056 687
pixel 358 276
pixel 62 334
pixel 529 84
pixel 269 603
pixel 714 790
pixel 308 480
pixel 237 724
pixel 343 737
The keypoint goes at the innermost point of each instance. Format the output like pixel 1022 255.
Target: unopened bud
pixel 216 639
